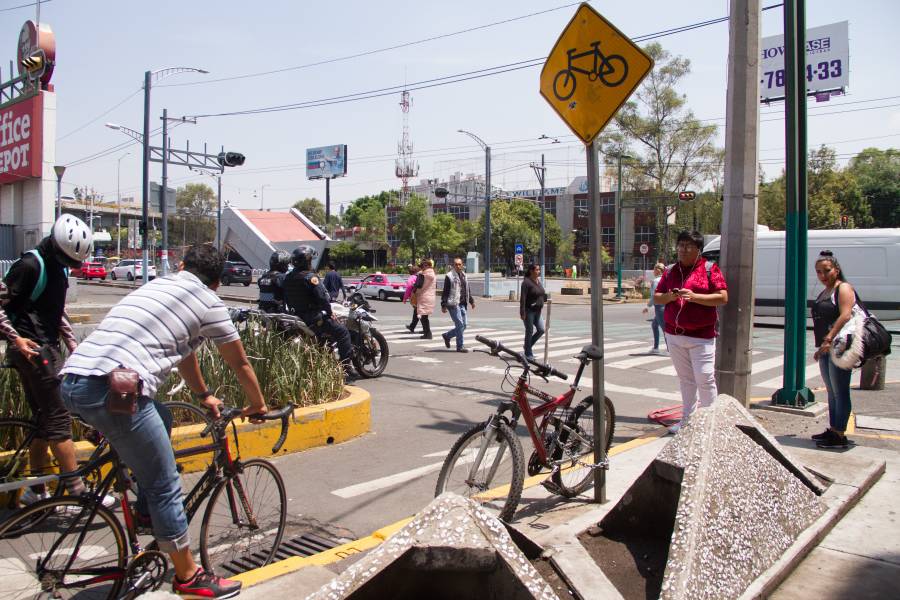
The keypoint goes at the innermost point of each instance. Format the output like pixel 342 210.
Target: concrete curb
pixel 293 564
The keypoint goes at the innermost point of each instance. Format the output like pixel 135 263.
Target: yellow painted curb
pixel 327 557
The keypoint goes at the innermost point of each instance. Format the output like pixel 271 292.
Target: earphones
pixel 683 302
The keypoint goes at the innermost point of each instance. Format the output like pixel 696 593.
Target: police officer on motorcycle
pixel 271 283
pixel 306 297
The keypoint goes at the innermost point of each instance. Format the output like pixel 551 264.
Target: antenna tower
pixel 406 167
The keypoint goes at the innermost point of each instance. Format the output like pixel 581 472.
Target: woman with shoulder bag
pixel 831 310
pixel 410 295
pixel 531 303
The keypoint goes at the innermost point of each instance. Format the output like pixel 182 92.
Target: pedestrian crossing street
pixel 626 350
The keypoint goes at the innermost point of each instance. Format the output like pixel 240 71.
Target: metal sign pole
pixel 593 177
pixel 547 331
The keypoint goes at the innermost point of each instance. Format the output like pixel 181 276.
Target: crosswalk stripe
pixel 574 361
pixel 470 334
pixel 776 382
pixel 418 340
pixel 634 362
pixel 757 367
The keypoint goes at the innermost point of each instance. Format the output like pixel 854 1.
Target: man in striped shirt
pixel 156 328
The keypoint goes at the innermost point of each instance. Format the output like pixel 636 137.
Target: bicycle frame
pixel 532 413
pixel 595 52
pixel 224 465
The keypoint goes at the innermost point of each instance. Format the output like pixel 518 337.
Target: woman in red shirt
pixel 691 290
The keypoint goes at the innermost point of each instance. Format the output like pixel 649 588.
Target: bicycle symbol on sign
pixel 610 70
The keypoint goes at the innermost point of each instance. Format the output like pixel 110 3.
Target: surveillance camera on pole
pixel 441 192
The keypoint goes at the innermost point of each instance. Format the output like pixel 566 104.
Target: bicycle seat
pixel 592 352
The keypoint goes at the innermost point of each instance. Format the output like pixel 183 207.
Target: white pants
pixel 694 360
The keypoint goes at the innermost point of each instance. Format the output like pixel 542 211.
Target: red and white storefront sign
pixel 21 140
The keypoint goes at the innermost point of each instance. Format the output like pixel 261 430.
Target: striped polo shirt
pixel 154 328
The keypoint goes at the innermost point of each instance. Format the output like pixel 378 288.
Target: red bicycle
pixel 487 462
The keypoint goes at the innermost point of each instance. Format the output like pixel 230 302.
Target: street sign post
pixel 520 261
pixel 645 249
pixel 520 249
pixel 591 71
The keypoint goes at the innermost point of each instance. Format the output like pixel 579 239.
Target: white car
pixel 131 269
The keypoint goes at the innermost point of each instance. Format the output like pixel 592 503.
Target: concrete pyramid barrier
pixel 452 549
pixel 726 498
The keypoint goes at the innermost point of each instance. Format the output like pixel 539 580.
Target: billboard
pixel 21 140
pixel 326 162
pixel 155 200
pixel 827 61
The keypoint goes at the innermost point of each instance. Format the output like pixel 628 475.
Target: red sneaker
pixel 206 585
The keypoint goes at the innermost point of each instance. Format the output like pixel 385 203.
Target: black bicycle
pixel 610 70
pixel 68 547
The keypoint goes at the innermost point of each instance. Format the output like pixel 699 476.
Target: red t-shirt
pixel 689 318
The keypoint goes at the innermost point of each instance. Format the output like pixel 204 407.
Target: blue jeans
pixel 837 382
pixel 534 329
pixel 458 314
pixel 657 324
pixel 143 444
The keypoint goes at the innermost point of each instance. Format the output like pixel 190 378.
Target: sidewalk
pixel 858 558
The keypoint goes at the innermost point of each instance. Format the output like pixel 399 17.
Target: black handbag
pixel 876 339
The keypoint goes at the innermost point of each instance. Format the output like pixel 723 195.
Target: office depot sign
pixel 21 140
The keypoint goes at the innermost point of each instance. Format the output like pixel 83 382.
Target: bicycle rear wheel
pixel 575 445
pixel 38 542
pixel 496 480
pixel 244 520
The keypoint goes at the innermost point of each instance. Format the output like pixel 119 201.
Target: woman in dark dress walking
pixel 531 303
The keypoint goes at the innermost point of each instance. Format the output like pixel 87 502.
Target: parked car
pixel 89 270
pixel 131 269
pixel 236 272
pixel 383 286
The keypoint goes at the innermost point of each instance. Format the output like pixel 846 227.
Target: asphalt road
pixel 429 395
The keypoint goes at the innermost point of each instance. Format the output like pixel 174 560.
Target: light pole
pixel 60 169
pixel 487 210
pixel 540 172
pixel 619 292
pixel 262 195
pixel 149 78
pixel 119 203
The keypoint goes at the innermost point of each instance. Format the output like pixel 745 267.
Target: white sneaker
pixel 29 496
pixel 653 351
pixel 109 501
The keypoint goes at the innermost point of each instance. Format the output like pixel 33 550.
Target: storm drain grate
pixel 307 544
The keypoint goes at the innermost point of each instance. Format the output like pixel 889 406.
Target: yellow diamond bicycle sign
pixel 591 72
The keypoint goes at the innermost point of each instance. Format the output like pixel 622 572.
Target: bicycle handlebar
pixel 540 368
pixel 230 413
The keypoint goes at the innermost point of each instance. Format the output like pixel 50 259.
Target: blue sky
pixel 104 47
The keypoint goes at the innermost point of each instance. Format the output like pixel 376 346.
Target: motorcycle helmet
pixel 303 256
pixel 279 261
pixel 71 237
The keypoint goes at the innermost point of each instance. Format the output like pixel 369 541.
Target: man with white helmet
pixel 33 321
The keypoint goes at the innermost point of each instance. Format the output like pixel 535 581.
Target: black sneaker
pixel 835 440
pixel 446 340
pixel 463 349
pixel 426 336
pixel 822 436
pixel 206 585
pixel 411 328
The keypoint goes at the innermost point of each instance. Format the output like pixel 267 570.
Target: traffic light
pixel 684 196
pixel 845 221
pixel 35 63
pixel 230 159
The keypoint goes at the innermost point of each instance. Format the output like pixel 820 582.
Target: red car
pixel 90 270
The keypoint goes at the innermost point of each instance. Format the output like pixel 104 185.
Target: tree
pixel 374 224
pixel 877 172
pixel 446 238
pixel 195 214
pixel 519 222
pixel 312 209
pixel 413 222
pixel 353 213
pixel 345 254
pixel 673 150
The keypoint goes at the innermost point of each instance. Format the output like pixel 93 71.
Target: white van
pixel 870 259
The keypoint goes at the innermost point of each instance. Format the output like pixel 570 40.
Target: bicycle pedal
pixel 551 487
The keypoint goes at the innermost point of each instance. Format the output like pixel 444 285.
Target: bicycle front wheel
pixel 244 520
pixel 486 465
pixel 16 437
pixel 38 543
pixel 189 422
pixel 575 445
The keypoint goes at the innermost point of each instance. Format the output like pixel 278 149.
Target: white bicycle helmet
pixel 72 237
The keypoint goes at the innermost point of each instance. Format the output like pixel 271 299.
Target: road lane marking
pixel 634 362
pixel 424 359
pixel 776 382
pixel 758 367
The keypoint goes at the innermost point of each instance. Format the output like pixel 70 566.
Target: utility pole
pixel 618 207
pixel 540 172
pixel 163 200
pixel 219 212
pixel 739 213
